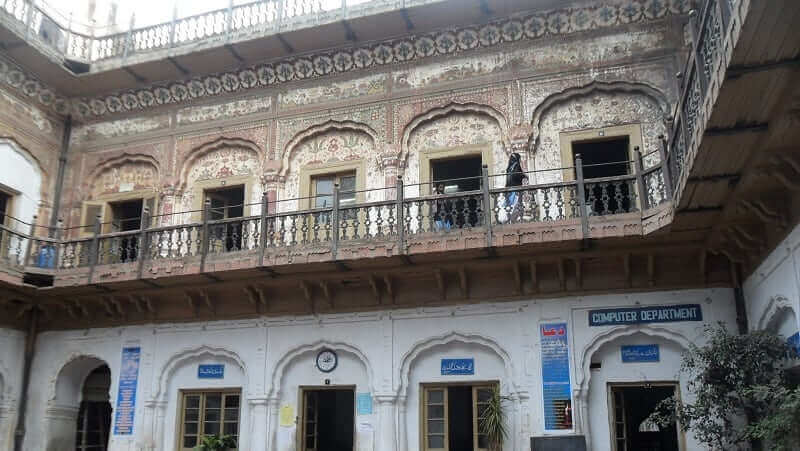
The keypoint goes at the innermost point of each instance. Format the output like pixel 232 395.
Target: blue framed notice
pixel 645 315
pixel 794 343
pixel 126 395
pixel 640 353
pixel 364 403
pixel 556 390
pixel 458 367
pixel 215 371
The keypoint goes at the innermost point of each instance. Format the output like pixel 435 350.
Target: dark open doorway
pixel 459 411
pixel 457 174
pixel 603 158
pixel 94 414
pixel 631 406
pixel 328 419
pixel 226 203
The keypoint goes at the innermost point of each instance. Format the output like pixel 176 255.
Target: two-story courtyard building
pixel 299 222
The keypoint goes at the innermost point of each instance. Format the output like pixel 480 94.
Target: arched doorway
pixel 94 413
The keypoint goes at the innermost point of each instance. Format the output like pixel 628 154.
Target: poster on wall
pixel 794 345
pixel 126 395
pixel 556 390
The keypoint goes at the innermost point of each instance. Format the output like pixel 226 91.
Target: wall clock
pixel 327 360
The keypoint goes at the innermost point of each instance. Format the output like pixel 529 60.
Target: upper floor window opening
pixel 604 157
pixel 5 206
pixel 126 215
pixel 323 185
pixel 208 413
pixel 117 213
pixel 457 174
pixel 226 202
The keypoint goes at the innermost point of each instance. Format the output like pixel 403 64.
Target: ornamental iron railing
pixel 397 219
pixel 82 43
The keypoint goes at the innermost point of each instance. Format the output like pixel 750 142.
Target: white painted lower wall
pixel 12 356
pixel 387 354
pixel 772 292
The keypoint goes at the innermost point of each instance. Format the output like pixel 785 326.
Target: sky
pixel 148 12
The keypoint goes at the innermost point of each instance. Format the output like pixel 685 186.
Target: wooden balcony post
pixel 487 204
pixel 400 216
pixel 639 169
pixel 335 223
pixel 666 172
pixel 128 37
pixel 94 250
pixel 229 19
pixel 695 31
pixel 205 241
pixel 59 236
pixel 581 196
pixel 141 252
pixel 173 24
pixel 26 262
pixel 262 239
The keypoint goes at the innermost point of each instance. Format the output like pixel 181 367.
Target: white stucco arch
pixel 584 375
pixel 74 367
pixel 295 352
pixel 25 176
pixel 468 338
pixel 776 307
pixel 178 359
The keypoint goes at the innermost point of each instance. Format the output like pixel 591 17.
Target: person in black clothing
pixel 443 218
pixel 514 177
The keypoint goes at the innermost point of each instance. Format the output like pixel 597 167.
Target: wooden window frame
pixel 10 204
pixel 423 415
pixel 610 386
pixel 309 173
pixel 566 139
pixel 300 418
pixel 182 394
pixel 200 187
pixel 427 156
pixel 102 204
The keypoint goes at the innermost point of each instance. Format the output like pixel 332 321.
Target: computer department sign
pixel 645 315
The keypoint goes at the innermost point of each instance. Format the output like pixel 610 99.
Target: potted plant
pixel 216 443
pixel 493 421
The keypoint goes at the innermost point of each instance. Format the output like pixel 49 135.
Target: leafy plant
pixel 743 398
pixel 493 420
pixel 216 443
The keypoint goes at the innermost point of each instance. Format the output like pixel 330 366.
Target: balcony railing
pixel 398 219
pixel 700 83
pixel 60 35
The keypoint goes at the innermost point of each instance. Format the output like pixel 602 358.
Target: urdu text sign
pixel 126 395
pixel 643 315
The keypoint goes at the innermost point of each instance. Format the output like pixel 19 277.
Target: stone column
pixel 148 422
pixel 386 422
pixel 160 411
pixel 258 423
pixel 581 415
pixel 402 430
pixel 273 405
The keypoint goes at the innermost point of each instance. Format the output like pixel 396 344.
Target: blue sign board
pixel 458 367
pixel 640 353
pixel 126 395
pixel 640 315
pixel 794 343
pixel 211 371
pixel 364 403
pixel 556 390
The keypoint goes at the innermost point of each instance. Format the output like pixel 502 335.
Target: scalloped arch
pixel 121 160
pixel 177 359
pixel 219 143
pixel 52 385
pixel 318 130
pixel 439 340
pixel 439 112
pixel 596 86
pixel 608 336
pixel 27 155
pixel 776 305
pixel 289 356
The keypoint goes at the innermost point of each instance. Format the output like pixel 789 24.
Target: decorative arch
pixel 23 151
pixel 288 357
pixel 582 91
pixel 118 161
pixel 70 361
pixel 439 340
pixel 439 112
pixel 777 305
pixel 318 130
pixel 220 143
pixel 178 359
pixel 608 336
